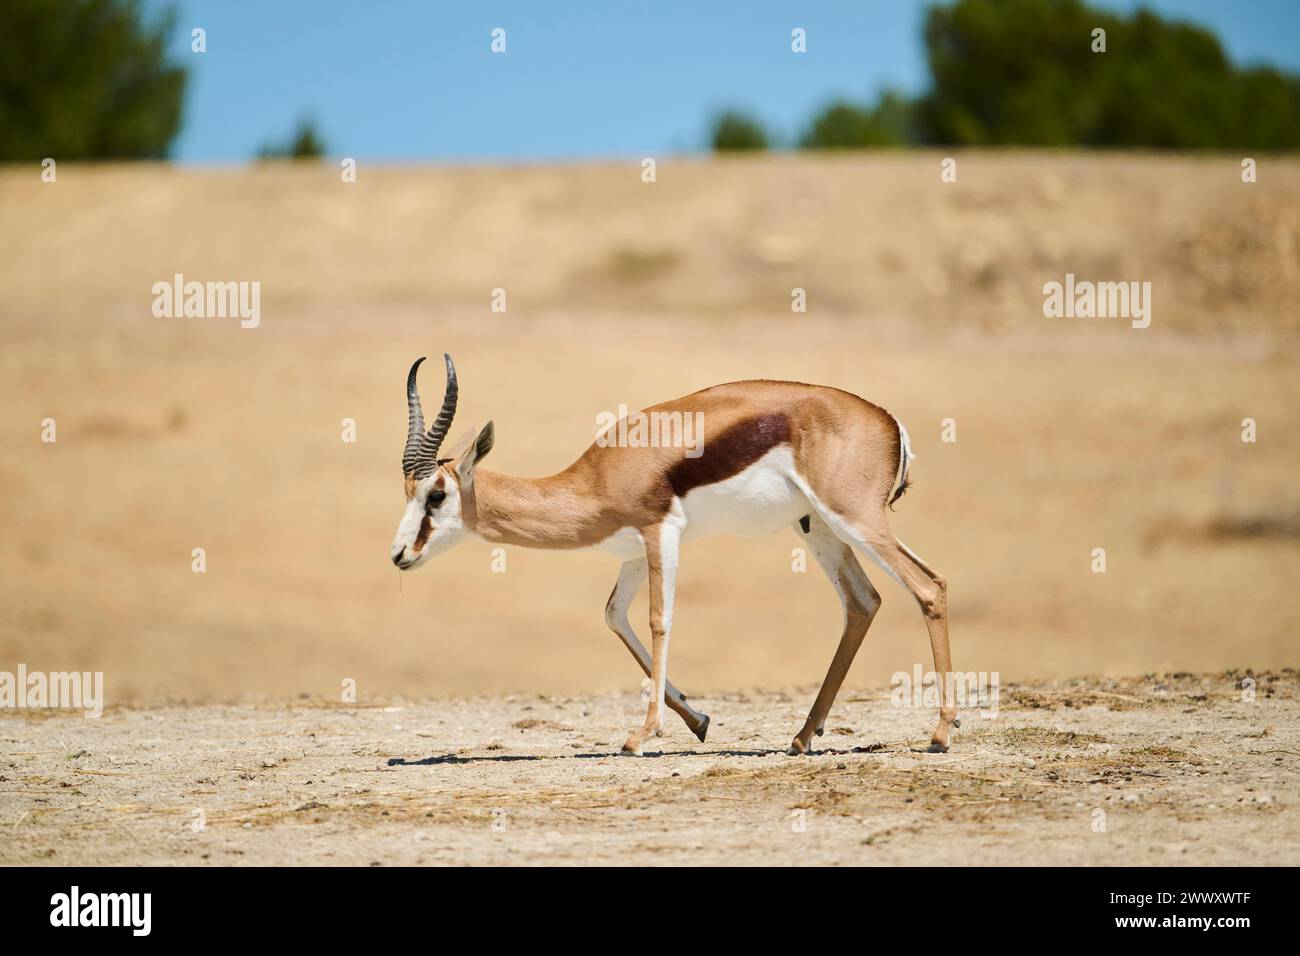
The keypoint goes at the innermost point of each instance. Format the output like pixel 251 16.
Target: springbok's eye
pixel 435 498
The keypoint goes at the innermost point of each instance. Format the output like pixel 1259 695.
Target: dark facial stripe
pixel 731 452
pixel 426 529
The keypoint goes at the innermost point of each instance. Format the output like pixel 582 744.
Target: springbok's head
pixel 438 490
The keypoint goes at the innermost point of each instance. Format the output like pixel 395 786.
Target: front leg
pixel 630 578
pixel 662 543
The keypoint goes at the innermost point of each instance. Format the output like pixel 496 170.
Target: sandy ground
pixel 1164 770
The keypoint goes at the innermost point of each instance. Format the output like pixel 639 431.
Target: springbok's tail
pixel 904 457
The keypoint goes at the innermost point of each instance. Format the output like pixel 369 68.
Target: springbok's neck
pixel 532 512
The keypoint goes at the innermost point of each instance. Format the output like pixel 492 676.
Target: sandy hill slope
pixel 923 296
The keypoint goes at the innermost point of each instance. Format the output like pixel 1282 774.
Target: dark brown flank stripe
pixel 730 453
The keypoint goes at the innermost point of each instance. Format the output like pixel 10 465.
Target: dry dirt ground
pixel 1161 770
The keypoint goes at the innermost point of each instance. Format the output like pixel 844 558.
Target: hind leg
pixel 860 602
pixel 870 534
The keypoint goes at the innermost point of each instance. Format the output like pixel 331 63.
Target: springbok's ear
pixel 461 445
pixel 484 443
pixel 475 447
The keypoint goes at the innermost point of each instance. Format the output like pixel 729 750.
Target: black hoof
pixel 704 729
pixel 936 749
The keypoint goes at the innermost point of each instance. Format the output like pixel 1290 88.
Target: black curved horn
pixel 426 458
pixel 414 421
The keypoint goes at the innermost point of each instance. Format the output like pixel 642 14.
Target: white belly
pixel 759 500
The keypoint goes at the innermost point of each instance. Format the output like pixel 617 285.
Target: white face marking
pixel 408 552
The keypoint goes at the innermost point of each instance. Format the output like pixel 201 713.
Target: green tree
pixel 734 130
pixel 86 79
pixel 1270 113
pixel 306 143
pixel 1023 72
pixel 844 125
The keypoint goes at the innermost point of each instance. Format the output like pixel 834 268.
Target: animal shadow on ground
pixel 437 760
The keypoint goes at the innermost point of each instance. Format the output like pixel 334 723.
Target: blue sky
pixel 403 80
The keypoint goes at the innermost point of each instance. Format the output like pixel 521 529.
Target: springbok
pixel 777 454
